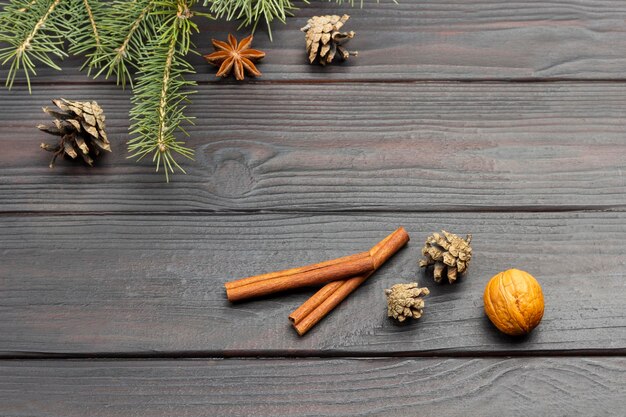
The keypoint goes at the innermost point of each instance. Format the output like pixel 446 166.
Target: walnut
pixel 514 302
pixel 404 300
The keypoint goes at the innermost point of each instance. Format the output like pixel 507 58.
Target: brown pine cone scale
pixel 405 301
pixel 323 39
pixel 448 253
pixel 80 126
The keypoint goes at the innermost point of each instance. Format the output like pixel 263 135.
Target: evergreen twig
pixel 252 11
pixel 161 90
pixel 126 29
pixel 86 37
pixel 34 33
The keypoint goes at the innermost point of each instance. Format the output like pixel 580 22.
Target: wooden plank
pixel 442 146
pixel 152 284
pixel 430 39
pixel 271 388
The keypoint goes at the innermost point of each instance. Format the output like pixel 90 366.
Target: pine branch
pixel 126 28
pixel 35 33
pixel 86 36
pixel 252 11
pixel 161 89
pixel 89 8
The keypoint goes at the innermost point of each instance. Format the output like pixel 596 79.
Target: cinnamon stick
pixel 310 275
pixel 293 271
pixel 322 304
pixel 325 292
pixel 312 303
pixel 328 297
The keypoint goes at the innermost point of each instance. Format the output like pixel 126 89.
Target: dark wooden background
pixel 501 119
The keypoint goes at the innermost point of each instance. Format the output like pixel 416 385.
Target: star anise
pixel 234 57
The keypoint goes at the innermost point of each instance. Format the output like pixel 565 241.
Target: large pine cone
pixel 405 301
pixel 81 128
pixel 323 39
pixel 447 252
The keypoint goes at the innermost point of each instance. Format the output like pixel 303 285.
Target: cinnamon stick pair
pixel 341 276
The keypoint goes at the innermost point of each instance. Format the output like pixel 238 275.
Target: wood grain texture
pixel 153 285
pixel 442 146
pixel 431 39
pixel 337 388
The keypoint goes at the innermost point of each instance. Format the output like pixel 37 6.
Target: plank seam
pixel 280 354
pixel 347 211
pixel 358 81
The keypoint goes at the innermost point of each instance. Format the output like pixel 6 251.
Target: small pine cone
pixel 447 252
pixel 80 126
pixel 323 39
pixel 404 301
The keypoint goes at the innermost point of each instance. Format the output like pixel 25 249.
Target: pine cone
pixel 323 39
pixel 403 300
pixel 81 128
pixel 448 252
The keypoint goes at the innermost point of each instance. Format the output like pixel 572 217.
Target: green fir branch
pixel 125 30
pixel 86 38
pixel 35 32
pixel 161 89
pixel 251 12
